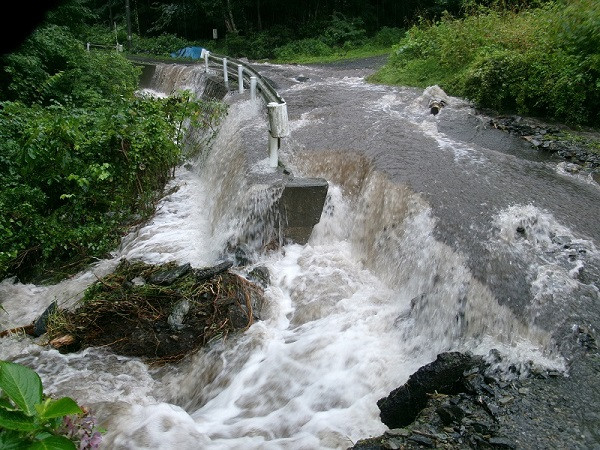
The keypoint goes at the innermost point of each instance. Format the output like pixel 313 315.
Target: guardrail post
pixel 273 151
pixel 278 123
pixel 240 79
pixel 206 53
pixel 278 119
pixel 225 75
pixel 253 88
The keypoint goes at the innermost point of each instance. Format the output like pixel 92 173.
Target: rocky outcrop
pixel 582 148
pixel 461 401
pixel 445 375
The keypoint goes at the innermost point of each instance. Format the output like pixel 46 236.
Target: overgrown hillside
pixel 82 156
pixel 542 62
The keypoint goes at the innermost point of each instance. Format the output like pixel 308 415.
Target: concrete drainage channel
pixel 302 199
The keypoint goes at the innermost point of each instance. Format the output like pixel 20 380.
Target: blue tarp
pixel 189 52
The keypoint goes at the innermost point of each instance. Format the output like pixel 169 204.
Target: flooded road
pixel 438 234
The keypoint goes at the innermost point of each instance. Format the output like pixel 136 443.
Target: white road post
pixel 240 79
pixel 278 123
pixel 253 88
pixel 225 75
pixel 273 151
pixel 206 53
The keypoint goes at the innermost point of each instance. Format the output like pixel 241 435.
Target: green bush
pixel 81 156
pixel 162 45
pixel 306 47
pixel 236 45
pixel 541 61
pixel 52 66
pixel 342 30
pixel 387 36
pixel 72 179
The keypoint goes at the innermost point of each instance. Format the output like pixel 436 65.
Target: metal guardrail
pixel 247 76
pixel 232 67
pixel 276 105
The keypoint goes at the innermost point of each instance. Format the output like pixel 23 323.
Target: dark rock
pixel 473 384
pixel 488 390
pixel 243 256
pixel 435 106
pixel 369 444
pixel 444 375
pixel 501 442
pixel 260 275
pixel 480 427
pixel 209 272
pixel 422 440
pixel 397 432
pixel 40 325
pixel 450 414
pixel 168 276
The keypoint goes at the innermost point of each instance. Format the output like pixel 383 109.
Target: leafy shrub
pixel 264 43
pixel 309 47
pixel 579 27
pixel 30 419
pixel 71 179
pixel 342 30
pixel 387 36
pixel 53 66
pixel 81 156
pixel 236 45
pixel 162 45
pixel 101 35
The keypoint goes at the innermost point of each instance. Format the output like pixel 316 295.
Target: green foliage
pixel 387 36
pixel 540 61
pixel 162 45
pixel 341 39
pixel 52 66
pixel 304 47
pixel 579 27
pixel 81 156
pixel 31 420
pixel 342 30
pixel 72 178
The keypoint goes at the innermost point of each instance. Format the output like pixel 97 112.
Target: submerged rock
pixel 40 325
pixel 168 275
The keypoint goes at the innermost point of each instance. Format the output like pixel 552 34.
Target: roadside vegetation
pixel 542 61
pixel 341 38
pixel 82 156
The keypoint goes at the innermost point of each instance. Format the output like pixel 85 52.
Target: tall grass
pixel 543 61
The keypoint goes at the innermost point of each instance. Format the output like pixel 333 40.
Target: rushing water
pixel 428 242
